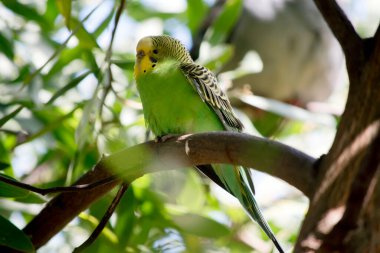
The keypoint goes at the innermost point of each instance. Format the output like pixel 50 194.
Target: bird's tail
pixel 248 201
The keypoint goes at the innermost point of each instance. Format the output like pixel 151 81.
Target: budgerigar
pixel 180 96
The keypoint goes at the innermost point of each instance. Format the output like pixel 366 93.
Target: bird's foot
pixel 166 137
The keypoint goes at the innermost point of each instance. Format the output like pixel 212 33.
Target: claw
pixel 165 138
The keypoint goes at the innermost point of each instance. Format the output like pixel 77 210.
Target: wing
pixel 206 84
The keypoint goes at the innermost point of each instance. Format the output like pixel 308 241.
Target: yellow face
pixel 146 57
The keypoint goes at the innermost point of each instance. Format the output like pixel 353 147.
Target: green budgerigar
pixel 180 96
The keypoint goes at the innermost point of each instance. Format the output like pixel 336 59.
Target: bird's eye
pixel 155 51
pixel 140 54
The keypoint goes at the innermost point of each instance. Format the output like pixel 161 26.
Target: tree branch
pixel 265 155
pixel 340 26
pixel 57 189
pixel 377 34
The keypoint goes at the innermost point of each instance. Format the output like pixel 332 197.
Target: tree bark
pixel 343 215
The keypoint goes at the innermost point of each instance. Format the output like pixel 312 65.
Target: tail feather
pixel 250 204
pixel 237 180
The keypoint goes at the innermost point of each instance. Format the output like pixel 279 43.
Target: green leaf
pixel 124 64
pixel 6 46
pixel 18 193
pixel 10 116
pixel 54 123
pixel 138 11
pixel 192 195
pixel 66 56
pixel 27 12
pixel 196 11
pixel 126 217
pixel 287 110
pixel 11 191
pixel 73 83
pixel 14 238
pixel 104 24
pixel 51 11
pixel 86 39
pixel 106 232
pixel 200 225
pixel 4 165
pixel 64 7
pixel 225 22
pixel 90 61
pixel 217 57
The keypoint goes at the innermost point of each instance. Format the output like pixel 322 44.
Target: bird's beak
pixel 139 60
pixel 143 63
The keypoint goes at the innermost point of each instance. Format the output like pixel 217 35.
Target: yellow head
pixel 151 50
pixel 146 56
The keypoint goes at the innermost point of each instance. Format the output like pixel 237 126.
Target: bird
pixel 181 97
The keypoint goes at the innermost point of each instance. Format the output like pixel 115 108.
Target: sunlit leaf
pixel 64 7
pixel 86 39
pixel 192 190
pixel 66 56
pixel 73 83
pixel 124 64
pixel 54 123
pixel 222 26
pixel 103 25
pixel 94 222
pixel 287 110
pixel 51 10
pixel 196 11
pixel 27 12
pixel 140 12
pixel 200 225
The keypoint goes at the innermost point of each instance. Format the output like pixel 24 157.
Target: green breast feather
pixel 172 105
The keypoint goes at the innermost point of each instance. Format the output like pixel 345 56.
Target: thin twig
pixel 107 59
pixel 57 189
pixel 99 228
pixel 124 186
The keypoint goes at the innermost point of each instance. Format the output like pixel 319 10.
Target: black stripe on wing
pixel 206 84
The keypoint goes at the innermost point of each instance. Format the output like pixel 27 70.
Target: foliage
pixel 64 101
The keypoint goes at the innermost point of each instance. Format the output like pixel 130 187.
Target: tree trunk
pixel 344 211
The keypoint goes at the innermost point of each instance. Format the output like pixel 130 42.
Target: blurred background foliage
pixel 67 96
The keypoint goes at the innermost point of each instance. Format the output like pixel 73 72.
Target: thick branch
pixel 340 25
pixel 265 155
pixel 269 156
pixel 377 34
